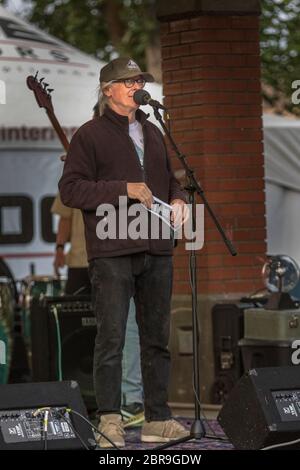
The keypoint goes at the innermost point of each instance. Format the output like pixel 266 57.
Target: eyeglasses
pixel 129 82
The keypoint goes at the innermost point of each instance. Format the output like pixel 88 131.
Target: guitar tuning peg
pixel 50 90
pixel 41 79
pixel 45 85
pixel 36 74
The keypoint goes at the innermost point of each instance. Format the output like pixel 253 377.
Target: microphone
pixel 142 97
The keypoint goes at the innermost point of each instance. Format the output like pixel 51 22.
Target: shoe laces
pixel 172 425
pixel 114 426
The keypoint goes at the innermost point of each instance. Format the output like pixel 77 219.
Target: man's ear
pixel 107 91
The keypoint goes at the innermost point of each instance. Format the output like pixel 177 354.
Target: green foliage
pixel 280 44
pixel 106 28
pixel 103 28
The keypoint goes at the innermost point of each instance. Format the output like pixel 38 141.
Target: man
pixel 122 154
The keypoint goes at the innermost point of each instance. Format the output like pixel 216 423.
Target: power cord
pixel 282 444
pixel 93 427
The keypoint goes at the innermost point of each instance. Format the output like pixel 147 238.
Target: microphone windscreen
pixel 141 97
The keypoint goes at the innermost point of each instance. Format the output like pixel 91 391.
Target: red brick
pixel 164 28
pixel 172 88
pixel 247 147
pixel 210 48
pixel 217 123
pixel 220 172
pixel 193 86
pixel 192 111
pixel 171 64
pixel 216 97
pixel 165 52
pixel 245 122
pixel 180 25
pixel 253 98
pixel 253 221
pixel 217 147
pixel 242 184
pixel 198 61
pixel 234 85
pixel 180 262
pixel 211 260
pixel 192 148
pixel 235 209
pixel 223 273
pixel 180 51
pixel 239 260
pixel 205 287
pixel 252 247
pixel 177 113
pixel 211 235
pixel 181 75
pixel 181 100
pixel 170 39
pixel 239 110
pixel 167 77
pixel 251 35
pixel 210 22
pixel 249 234
pixel 240 134
pixel 250 172
pixel 232 196
pixel 228 60
pixel 253 60
pixel 211 134
pixel 181 288
pixel 253 85
pixel 244 47
pixel 183 124
pixel 193 136
pixel 245 22
pixel 239 286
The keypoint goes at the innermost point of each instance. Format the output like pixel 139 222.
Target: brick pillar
pixel 211 83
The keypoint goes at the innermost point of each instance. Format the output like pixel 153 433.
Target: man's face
pixel 121 97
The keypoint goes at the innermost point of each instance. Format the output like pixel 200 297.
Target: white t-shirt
pixel 136 134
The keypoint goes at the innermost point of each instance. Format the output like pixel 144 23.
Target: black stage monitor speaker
pixel 263 409
pixel 63 331
pixel 21 424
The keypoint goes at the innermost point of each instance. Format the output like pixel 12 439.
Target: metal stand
pixel 197 430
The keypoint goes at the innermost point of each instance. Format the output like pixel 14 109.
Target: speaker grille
pixel 258 412
pixel 63 331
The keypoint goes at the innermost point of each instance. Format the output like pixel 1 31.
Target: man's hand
pixel 180 212
pixel 141 192
pixel 59 261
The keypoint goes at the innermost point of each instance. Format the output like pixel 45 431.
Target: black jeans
pixel 114 281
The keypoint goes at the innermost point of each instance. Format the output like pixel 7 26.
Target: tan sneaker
pixel 111 426
pixel 163 431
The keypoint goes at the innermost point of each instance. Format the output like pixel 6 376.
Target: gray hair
pixel 102 98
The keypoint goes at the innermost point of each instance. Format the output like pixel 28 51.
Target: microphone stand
pixel 197 430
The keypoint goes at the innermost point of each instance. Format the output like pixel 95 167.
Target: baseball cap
pixel 122 68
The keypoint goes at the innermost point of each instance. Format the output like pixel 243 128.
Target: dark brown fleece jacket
pixel 101 160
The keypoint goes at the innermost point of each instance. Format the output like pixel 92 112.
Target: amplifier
pixel 63 331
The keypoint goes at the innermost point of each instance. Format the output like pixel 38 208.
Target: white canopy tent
pixel 29 150
pixel 282 173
